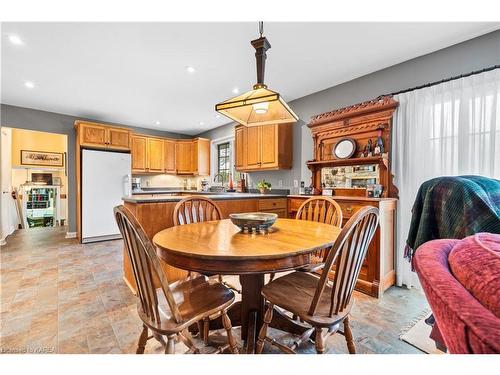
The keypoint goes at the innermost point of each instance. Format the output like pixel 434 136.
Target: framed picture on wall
pixel 42 158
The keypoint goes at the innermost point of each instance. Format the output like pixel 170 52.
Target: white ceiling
pixel 134 73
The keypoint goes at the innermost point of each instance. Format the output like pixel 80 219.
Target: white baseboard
pixel 70 234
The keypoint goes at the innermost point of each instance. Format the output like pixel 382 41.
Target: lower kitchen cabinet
pixel 377 272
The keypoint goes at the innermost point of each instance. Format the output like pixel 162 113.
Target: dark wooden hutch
pixel 360 122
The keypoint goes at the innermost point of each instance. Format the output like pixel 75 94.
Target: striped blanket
pixel 453 207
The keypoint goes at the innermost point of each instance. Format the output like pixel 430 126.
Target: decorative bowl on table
pixel 254 221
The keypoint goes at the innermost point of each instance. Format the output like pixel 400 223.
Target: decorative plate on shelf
pixel 344 148
pixel 254 221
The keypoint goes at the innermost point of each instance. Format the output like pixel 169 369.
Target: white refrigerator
pixel 105 180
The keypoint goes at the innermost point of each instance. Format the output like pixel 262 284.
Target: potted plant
pixel 263 186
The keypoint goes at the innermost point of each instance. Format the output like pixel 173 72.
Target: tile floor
pixel 59 296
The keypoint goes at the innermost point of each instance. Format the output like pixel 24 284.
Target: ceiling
pixel 135 73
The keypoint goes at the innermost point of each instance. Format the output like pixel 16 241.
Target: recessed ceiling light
pixel 16 40
pixel 202 123
pixel 217 116
pixel 236 90
pixel 157 122
pixel 190 69
pixel 29 84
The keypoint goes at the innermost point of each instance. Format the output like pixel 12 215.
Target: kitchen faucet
pixel 219 176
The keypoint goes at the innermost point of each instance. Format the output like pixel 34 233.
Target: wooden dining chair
pixel 316 301
pixel 195 209
pixel 171 309
pixel 322 210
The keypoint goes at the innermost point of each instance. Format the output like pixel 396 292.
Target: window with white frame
pixel 222 162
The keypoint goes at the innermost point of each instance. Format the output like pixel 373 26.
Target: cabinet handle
pixel 349 210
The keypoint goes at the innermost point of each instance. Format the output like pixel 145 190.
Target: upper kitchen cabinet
pixel 240 157
pixel 201 157
pixel 95 135
pixel 139 153
pixel 266 147
pixel 184 156
pixel 192 157
pixel 169 162
pixel 163 155
pixel 148 154
pixel 156 155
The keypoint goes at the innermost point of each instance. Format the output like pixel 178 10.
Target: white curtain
pixel 448 129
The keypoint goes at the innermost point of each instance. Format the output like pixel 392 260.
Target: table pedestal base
pixel 248 314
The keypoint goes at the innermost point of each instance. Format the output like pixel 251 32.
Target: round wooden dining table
pixel 219 247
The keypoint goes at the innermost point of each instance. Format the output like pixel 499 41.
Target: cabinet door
pixel 169 156
pixel 269 146
pixel 93 135
pixel 240 147
pixel 183 157
pixel 253 147
pixel 201 157
pixel 139 154
pixel 155 155
pixel 118 139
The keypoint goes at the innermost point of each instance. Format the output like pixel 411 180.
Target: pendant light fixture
pixel 259 106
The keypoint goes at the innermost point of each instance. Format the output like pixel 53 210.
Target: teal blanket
pixel 453 207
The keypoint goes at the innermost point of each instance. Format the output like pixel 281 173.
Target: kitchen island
pixel 154 210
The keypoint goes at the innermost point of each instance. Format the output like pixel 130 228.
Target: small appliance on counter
pixel 136 184
pixel 205 185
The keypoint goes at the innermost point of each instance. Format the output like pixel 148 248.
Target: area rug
pixel 417 334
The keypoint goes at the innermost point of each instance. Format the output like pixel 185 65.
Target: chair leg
pixel 271 276
pixel 226 322
pixel 199 323
pixel 185 337
pixel 206 329
pixel 170 349
pixel 160 339
pixel 348 336
pixel 268 316
pixel 143 338
pixel 319 341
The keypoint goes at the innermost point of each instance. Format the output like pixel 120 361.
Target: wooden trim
pixel 364 108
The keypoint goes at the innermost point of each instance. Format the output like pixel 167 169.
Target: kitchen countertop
pixel 170 196
pixel 344 197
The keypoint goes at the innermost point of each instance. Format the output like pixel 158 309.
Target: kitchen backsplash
pixel 167 180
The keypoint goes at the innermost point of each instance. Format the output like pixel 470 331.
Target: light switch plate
pixel 295 183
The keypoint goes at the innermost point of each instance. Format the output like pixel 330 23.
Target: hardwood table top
pixel 215 241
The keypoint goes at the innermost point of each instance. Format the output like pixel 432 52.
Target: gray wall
pixel 32 119
pixel 465 57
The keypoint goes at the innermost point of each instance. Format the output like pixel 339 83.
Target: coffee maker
pixel 136 184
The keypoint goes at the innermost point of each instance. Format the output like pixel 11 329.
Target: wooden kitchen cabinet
pixel 192 157
pixel 252 147
pixel 184 156
pixel 169 157
pixel 266 147
pixel 119 139
pixel 201 157
pixel 377 271
pixel 139 154
pixel 240 159
pixel 147 154
pixel 95 135
pixel 156 152
pixel 161 155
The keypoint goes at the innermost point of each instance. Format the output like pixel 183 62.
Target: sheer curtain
pixel 448 129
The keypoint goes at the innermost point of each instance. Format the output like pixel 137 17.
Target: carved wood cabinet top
pixel 361 109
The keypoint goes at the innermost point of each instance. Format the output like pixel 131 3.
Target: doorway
pixel 34 179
